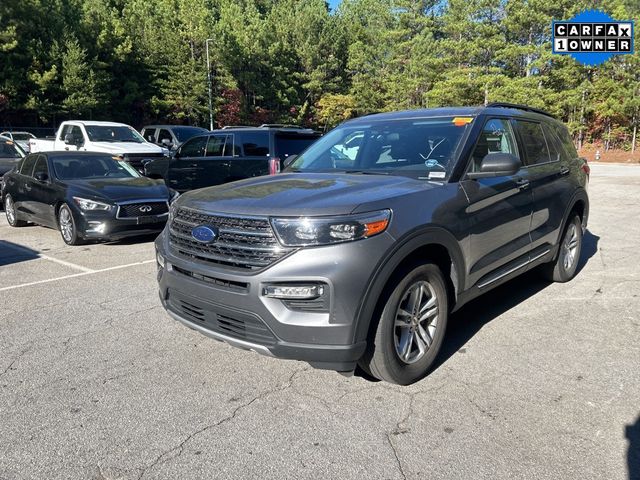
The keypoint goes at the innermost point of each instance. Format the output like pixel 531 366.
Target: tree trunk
pixel 633 139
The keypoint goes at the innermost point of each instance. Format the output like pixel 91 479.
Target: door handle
pixel 564 170
pixel 522 183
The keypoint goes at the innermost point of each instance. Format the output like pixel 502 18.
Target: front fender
pixel 385 269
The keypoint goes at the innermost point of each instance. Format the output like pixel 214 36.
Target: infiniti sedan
pixel 86 196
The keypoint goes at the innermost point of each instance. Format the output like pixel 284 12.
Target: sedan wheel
pixel 12 214
pixel 67 226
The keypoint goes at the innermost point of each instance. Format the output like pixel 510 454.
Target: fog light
pixel 293 291
pixel 96 227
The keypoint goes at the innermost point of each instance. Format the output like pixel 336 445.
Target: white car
pixel 21 138
pixel 117 139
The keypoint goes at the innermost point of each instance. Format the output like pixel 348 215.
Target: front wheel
pixel 411 328
pixel 564 267
pixel 67 226
pixel 12 213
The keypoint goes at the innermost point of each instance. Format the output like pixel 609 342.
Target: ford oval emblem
pixel 204 234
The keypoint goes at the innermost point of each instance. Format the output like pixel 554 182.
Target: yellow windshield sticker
pixel 462 121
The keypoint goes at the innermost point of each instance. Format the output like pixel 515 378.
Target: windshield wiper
pixel 366 172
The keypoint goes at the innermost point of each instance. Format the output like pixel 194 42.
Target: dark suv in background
pixel 229 154
pixel 361 249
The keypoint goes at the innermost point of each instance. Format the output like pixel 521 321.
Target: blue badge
pixel 592 37
pixel 204 234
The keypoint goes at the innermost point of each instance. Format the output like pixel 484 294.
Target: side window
pixel 164 134
pixel 563 135
pixel 555 148
pixel 496 137
pixel 27 165
pixel 149 134
pixel 255 144
pixel 215 146
pixel 64 132
pixel 41 166
pixel 76 133
pixel 533 142
pixel 194 147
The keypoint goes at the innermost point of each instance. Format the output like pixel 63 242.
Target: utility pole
pixel 209 84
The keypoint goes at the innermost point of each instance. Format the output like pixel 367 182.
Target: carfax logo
pixel 592 37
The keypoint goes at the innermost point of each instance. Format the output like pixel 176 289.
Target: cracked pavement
pixel 534 380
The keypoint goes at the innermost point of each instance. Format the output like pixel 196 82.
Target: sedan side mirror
pixel 41 177
pixel 497 164
pixel 289 160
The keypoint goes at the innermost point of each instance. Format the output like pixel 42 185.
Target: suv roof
pixel 497 108
pixel 268 127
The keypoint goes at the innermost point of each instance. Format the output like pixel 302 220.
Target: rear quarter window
pixel 286 144
pixel 254 144
pixel 26 167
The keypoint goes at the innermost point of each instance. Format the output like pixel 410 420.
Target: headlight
pixel 86 204
pixel 307 231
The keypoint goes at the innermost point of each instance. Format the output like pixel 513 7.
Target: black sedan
pixel 85 196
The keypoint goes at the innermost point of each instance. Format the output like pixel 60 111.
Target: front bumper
pixel 229 305
pixel 105 225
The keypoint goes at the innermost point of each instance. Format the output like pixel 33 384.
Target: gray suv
pixel 358 253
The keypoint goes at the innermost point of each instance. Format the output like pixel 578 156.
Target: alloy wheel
pixel 570 247
pixel 416 322
pixel 10 210
pixel 66 224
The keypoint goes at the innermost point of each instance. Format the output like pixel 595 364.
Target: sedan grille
pixel 245 243
pixel 132 210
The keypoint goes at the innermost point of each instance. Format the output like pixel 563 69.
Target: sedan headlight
pixel 308 231
pixel 90 205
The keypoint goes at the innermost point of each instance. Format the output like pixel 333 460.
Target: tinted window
pixel 65 130
pixel 185 133
pixel 164 135
pixel 216 146
pixel 113 133
pixel 27 165
pixel 8 150
pixel 563 135
pixel 149 134
pixel 91 166
pixel 41 166
pixel 534 143
pixel 496 137
pixel 555 149
pixel 255 143
pixel 292 144
pixel 194 147
pixel 22 136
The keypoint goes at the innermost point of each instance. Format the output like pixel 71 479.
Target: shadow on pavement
pixel 589 249
pixel 134 240
pixel 14 253
pixel 632 434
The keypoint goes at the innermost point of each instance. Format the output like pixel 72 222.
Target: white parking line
pixel 91 272
pixel 51 259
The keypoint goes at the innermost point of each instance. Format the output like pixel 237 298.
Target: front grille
pixel 230 323
pixel 143 209
pixel 242 287
pixel 243 243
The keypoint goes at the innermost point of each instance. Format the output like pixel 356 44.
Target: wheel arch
pixel 431 244
pixel 579 204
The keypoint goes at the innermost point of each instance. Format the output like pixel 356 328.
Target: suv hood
pixel 296 194
pixel 120 189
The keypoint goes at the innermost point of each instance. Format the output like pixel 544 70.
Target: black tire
pixel 563 268
pixel 12 213
pixel 67 226
pixel 383 356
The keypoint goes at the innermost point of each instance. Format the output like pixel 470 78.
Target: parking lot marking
pixel 74 275
pixel 52 259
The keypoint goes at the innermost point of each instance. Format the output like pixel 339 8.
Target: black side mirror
pixel 289 160
pixel 497 165
pixel 41 177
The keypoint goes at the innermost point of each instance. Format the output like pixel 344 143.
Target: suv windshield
pixel 94 166
pixel 101 133
pixel 419 148
pixel 185 133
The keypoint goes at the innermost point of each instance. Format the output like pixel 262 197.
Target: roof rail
pixel 518 107
pixel 281 125
pixel 236 126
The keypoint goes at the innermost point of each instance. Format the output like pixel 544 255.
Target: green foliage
pixel 294 61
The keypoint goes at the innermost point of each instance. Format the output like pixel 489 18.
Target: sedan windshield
pixel 101 133
pixel 9 149
pixel 419 148
pixel 23 136
pixel 92 166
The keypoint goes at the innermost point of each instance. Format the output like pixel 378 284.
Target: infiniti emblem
pixel 145 208
pixel 204 234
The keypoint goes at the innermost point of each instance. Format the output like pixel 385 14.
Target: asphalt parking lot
pixel 536 380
